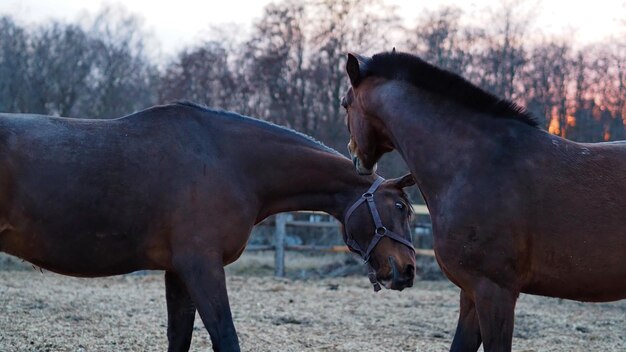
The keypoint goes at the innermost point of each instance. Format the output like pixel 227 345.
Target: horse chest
pixel 467 251
pixel 459 244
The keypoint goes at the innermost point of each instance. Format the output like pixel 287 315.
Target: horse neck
pixel 438 140
pixel 300 176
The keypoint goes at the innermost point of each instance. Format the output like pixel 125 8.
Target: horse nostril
pixel 409 271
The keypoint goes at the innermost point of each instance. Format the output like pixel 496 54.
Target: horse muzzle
pixel 400 278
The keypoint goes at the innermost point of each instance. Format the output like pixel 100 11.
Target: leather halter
pixel 379 232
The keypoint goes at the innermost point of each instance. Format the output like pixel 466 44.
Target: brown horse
pixel 514 209
pixel 178 188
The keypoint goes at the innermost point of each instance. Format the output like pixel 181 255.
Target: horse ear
pixel 402 182
pixel 393 51
pixel 353 69
pixel 356 66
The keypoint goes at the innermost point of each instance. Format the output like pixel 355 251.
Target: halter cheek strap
pixel 379 232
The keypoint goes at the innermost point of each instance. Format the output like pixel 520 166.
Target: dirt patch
pixel 11 263
pixel 49 312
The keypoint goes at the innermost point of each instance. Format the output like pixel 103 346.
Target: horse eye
pixel 399 205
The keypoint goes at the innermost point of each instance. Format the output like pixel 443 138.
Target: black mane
pixel 412 69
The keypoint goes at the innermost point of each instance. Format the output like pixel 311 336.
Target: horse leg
pixel 206 283
pixel 467 336
pixel 495 306
pixel 180 313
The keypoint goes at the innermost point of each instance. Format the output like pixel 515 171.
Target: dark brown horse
pixel 178 188
pixel 514 209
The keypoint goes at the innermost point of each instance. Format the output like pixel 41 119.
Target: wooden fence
pixel 284 220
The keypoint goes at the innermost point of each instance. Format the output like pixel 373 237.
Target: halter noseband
pixel 379 232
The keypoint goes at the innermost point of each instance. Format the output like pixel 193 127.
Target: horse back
pixel 103 189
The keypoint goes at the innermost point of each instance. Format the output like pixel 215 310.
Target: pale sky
pixel 180 23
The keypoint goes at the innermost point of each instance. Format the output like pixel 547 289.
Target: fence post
pixel 279 244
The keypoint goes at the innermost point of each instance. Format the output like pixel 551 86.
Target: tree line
pixel 290 69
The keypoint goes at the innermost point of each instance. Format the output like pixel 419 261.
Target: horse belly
pixel 592 292
pixel 81 254
pixel 592 273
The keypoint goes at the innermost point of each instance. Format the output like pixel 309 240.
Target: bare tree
pixel 504 51
pixel 546 80
pixel 201 74
pixel 124 79
pixel 440 39
pixel 59 65
pixel 273 62
pixel 14 54
pixel 342 26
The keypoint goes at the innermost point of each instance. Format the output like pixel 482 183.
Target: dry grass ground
pixel 49 312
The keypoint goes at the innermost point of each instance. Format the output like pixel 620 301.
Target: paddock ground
pixel 49 312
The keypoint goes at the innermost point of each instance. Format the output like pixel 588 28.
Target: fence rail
pixel 283 220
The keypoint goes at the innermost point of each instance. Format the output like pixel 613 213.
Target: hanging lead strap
pixel 371 274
